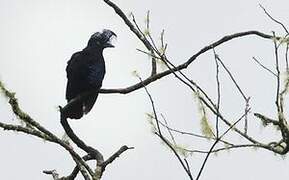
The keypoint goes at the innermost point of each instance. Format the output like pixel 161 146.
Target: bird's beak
pixel 108 45
pixel 110 42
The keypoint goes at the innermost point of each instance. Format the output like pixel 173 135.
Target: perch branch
pixel 184 65
pixel 81 144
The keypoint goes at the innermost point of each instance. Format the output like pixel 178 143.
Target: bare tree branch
pixel 266 120
pixel 114 156
pixel 280 147
pixel 227 148
pixel 215 143
pixel 286 57
pixel 187 63
pixel 264 67
pixel 159 134
pixel 27 119
pixel 26 130
pixel 54 174
pixel 275 20
pixel 81 144
pixel 218 92
pixel 232 78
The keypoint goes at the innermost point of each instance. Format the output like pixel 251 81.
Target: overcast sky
pixel 39 36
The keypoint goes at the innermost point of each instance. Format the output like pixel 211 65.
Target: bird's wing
pixel 76 74
pixel 96 72
pixel 84 73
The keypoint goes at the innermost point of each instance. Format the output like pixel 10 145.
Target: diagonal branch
pixel 218 92
pixel 159 134
pixel 32 123
pixel 264 67
pixel 273 19
pixel 267 120
pixel 113 157
pixel 26 130
pixel 135 30
pixel 232 77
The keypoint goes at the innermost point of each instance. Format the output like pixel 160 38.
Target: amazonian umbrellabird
pixel 85 72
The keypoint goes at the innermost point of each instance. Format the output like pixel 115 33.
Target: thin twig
pixel 135 30
pixel 192 134
pixel 176 154
pixel 53 173
pixel 264 67
pixel 232 78
pixel 234 124
pixel 163 47
pixel 115 155
pixel 273 19
pixel 188 82
pixel 214 144
pixel 226 148
pixel 286 57
pixel 278 75
pixel 247 107
pixel 218 93
pixel 153 106
pixel 148 53
pixel 246 99
pixel 169 131
pixel 206 159
pixel 267 120
pixel 159 134
pixel 217 117
pixel 188 167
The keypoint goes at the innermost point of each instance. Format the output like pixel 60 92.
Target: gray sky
pixel 38 37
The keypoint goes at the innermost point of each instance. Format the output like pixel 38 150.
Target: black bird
pixel 85 72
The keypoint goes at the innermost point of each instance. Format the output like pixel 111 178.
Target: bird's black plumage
pixel 85 72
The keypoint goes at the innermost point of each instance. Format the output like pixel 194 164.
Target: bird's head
pixel 102 39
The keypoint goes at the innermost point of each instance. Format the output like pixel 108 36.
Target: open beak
pixel 110 42
pixel 108 45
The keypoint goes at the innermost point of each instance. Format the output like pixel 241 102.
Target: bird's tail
pixel 74 112
pixel 89 102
